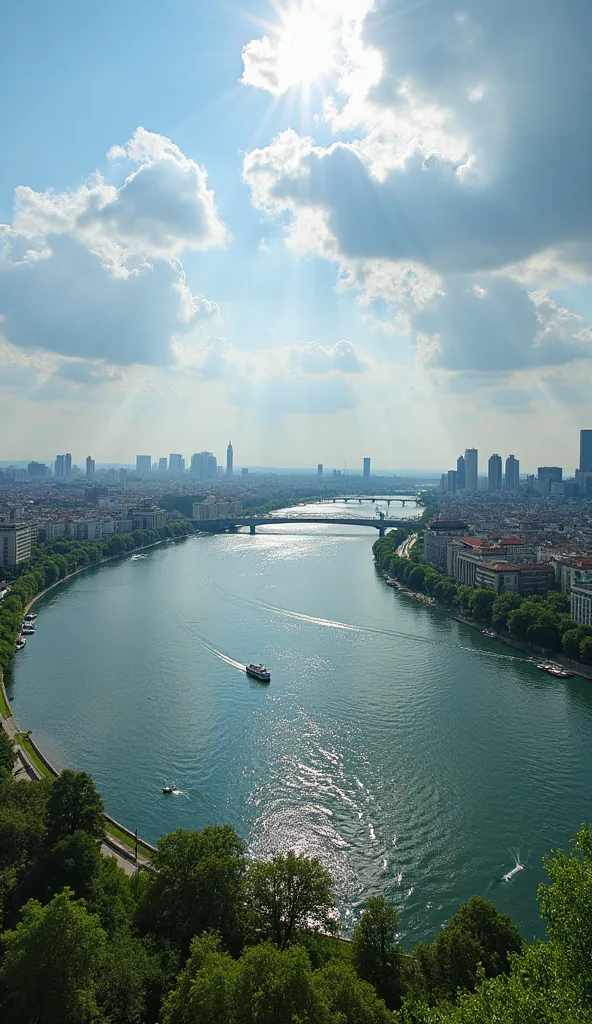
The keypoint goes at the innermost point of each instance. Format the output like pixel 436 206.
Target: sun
pixel 306 47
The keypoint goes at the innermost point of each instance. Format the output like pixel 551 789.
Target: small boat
pixel 20 643
pixel 167 789
pixel 30 617
pixel 136 558
pixel 258 672
pixel 490 633
pixel 27 629
pixel 554 670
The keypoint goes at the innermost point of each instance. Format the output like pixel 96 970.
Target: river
pixel 408 752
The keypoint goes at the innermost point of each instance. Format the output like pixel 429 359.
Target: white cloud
pixel 96 273
pixel 319 359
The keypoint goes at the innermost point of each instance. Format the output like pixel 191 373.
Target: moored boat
pixel 552 669
pixel 27 629
pixel 258 672
pixel 20 643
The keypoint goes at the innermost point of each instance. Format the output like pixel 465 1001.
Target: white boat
pixel 258 672
pixel 30 617
pixel 20 643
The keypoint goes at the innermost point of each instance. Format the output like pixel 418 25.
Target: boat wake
pixel 208 647
pixel 516 869
pixel 315 620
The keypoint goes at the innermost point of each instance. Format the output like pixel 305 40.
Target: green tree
pixel 416 577
pixel 289 893
pixel 571 641
pixel 75 805
pixel 586 650
pixel 375 951
pixel 126 975
pixel 521 619
pixel 481 604
pixel 502 606
pixel 275 986
pixel 463 599
pixel 544 631
pixel 348 999
pixel 7 752
pixel 205 987
pixel 476 935
pixel 50 965
pixel 567 905
pixel 197 884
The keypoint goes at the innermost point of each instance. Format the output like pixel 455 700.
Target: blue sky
pixel 330 229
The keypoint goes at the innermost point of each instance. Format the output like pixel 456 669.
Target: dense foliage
pixel 206 936
pixel 544 622
pixel 54 560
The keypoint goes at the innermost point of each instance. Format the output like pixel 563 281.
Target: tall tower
pixel 471 469
pixel 494 475
pixel 68 465
pixel 512 473
pixel 460 473
pixel 90 468
pixel 366 469
pixel 586 451
pixel 59 467
pixel 229 459
pixel 320 469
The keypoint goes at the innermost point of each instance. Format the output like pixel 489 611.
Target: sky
pixel 325 229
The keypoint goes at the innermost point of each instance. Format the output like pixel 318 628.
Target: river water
pixel 408 752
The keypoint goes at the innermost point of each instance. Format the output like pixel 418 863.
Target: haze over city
pixel 289 224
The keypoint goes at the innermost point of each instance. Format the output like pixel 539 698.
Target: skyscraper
pixel 68 466
pixel 451 481
pixel 320 469
pixel 90 468
pixel 585 451
pixel 512 473
pixel 460 473
pixel 471 469
pixel 546 477
pixel 59 468
pixel 204 465
pixel 494 473
pixel 229 459
pixel 162 465
pixel 366 469
pixel 175 461
pixel 144 465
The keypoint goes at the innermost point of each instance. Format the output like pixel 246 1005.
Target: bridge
pixel 366 497
pixel 222 525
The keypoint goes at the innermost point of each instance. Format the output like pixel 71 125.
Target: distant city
pixel 547 480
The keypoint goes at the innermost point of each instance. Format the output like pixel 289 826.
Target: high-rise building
pixel 175 462
pixel 585 451
pixel 546 477
pixel 460 473
pixel 320 469
pixel 494 473
pixel 59 467
pixel 512 480
pixel 471 469
pixel 90 468
pixel 366 469
pixel 144 466
pixel 229 459
pixel 162 465
pixel 37 470
pixel 204 465
pixel 68 466
pixel 244 471
pixel 451 481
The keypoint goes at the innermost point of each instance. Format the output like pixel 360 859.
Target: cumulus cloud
pixel 95 273
pixel 319 359
pixel 296 396
pixel 469 159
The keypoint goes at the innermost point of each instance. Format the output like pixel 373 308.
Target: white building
pixel 15 543
pixel 211 508
pixel 581 603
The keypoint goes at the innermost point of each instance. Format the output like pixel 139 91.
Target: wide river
pixel 408 752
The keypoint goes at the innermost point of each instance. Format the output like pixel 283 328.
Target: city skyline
pixel 163 269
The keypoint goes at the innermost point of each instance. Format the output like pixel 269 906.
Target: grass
pixel 127 841
pixel 5 711
pixel 24 741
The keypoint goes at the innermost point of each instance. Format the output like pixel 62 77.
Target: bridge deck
pixel 252 521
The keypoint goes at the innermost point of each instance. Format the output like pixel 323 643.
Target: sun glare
pixel 306 46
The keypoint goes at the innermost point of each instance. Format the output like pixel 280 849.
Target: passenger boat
pixel 30 617
pixel 167 789
pixel 553 669
pixel 258 672
pixel 27 629
pixel 20 643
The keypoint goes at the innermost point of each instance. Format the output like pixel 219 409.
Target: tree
pixel 51 963
pixel 416 578
pixel 205 987
pixel 481 604
pixel 75 805
pixel 7 752
pixel 567 905
pixel 127 971
pixel 375 950
pixel 463 598
pixel 558 601
pixel 348 999
pixel 571 641
pixel 275 986
pixel 502 606
pixel 586 650
pixel 520 620
pixel 197 884
pixel 288 893
pixel 476 935
pixel 544 631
